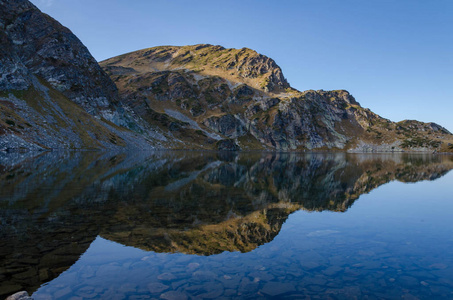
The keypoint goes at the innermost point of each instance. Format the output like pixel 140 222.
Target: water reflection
pixel 52 207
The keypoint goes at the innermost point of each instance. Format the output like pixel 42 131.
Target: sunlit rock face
pixel 53 206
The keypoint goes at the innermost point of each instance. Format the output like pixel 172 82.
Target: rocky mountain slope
pixel 53 93
pixel 216 98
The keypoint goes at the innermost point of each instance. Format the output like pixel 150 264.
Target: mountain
pixel 215 98
pixel 53 93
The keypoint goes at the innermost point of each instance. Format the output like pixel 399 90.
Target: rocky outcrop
pixel 227 145
pixel 243 96
pixel 227 125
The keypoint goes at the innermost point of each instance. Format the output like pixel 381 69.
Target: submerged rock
pixel 20 296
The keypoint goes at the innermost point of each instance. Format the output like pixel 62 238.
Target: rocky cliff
pixel 212 97
pixel 53 93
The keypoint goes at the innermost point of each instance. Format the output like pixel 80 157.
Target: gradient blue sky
pixel 394 57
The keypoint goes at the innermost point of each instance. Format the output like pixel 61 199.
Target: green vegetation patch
pixel 420 142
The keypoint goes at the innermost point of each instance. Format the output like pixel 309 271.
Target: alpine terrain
pixel 54 95
pixel 215 98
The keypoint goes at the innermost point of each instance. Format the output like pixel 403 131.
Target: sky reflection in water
pixel 203 225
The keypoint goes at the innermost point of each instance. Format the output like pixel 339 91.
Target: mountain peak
pixel 223 98
pixel 236 65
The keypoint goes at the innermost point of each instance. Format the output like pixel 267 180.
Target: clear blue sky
pixel 395 57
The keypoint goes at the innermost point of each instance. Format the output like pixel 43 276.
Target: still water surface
pixel 205 225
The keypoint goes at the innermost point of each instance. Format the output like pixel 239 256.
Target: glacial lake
pixel 208 225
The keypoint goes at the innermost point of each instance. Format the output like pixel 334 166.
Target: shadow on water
pixel 53 206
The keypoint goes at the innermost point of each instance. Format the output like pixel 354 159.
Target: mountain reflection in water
pixel 52 207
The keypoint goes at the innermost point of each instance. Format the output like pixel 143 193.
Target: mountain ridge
pixel 247 63
pixel 208 85
pixel 54 95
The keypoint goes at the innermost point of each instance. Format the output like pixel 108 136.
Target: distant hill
pixel 215 98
